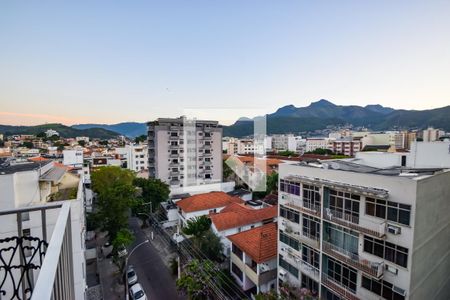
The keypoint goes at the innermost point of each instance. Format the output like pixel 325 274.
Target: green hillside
pixel 64 131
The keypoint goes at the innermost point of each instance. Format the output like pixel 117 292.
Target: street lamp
pixel 126 265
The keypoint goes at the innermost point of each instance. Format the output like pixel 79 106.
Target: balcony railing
pixel 54 259
pixel 338 288
pixel 306 207
pixel 374 269
pixel 377 229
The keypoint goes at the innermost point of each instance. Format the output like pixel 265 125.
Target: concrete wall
pixel 430 273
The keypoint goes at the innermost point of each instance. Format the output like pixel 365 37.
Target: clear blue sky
pixel 113 61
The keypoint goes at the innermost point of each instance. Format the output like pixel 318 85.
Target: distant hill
pixel 129 129
pixel 63 130
pixel 318 115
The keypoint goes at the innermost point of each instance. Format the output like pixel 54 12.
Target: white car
pixel 137 293
pixel 131 276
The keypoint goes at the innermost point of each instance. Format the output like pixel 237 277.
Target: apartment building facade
pixel 135 156
pixel 346 146
pixel 349 231
pixel 183 152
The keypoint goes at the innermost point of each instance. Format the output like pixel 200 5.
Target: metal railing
pixel 374 269
pixel 54 258
pixel 338 287
pixel 352 222
pixel 305 207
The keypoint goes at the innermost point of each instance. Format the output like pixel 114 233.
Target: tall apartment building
pixel 316 143
pixel 183 152
pixel 350 231
pixel 431 135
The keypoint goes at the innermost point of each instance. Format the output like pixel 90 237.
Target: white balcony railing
pixel 353 222
pixel 337 287
pixel 54 258
pixel 374 269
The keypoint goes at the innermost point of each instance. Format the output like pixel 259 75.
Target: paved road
pixel 153 274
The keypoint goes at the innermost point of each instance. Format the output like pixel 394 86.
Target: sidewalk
pixel 110 278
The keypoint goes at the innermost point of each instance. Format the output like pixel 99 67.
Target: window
pixel 392 211
pixel 235 269
pixel 342 273
pixel 346 203
pixel 341 237
pixel 236 251
pixel 288 267
pixel 311 195
pixel 290 187
pixel 310 284
pixel 290 214
pixel 381 288
pixel 310 256
pixel 311 227
pixel 376 208
pixel 391 252
pixel 399 213
pixel 289 241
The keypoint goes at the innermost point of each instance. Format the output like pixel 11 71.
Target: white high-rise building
pixel 351 231
pixel 431 135
pixel 183 152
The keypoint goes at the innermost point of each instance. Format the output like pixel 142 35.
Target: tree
pixel 82 143
pixel 115 192
pixel 154 191
pixel 287 153
pixel 123 238
pixel 227 171
pixel 321 151
pixel 41 135
pixel 28 145
pixel 210 245
pixel 197 227
pixel 271 186
pixel 140 139
pixel 194 280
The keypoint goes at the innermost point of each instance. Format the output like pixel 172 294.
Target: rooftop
pixel 8 166
pixel 207 201
pixel 236 215
pixel 259 243
pixel 351 165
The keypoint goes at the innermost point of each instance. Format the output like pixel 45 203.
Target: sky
pixel 113 61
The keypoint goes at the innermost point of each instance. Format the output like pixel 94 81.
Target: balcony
pixel 174 173
pixel 338 288
pixel 307 208
pixel 172 164
pixel 174 147
pixel 174 182
pixel 374 269
pixel 374 229
pixel 174 137
pixel 174 155
pixel 298 234
pixel 53 259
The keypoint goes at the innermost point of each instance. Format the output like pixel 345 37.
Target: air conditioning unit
pixel 283 249
pixel 394 229
pixel 297 259
pixel 399 290
pixel 283 196
pixel 297 233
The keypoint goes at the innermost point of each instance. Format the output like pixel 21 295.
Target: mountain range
pixel 63 130
pixel 287 119
pixel 318 115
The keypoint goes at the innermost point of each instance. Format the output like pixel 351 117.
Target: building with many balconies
pixel 183 152
pixel 351 231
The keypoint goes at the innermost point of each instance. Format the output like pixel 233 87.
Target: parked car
pixel 137 293
pixel 131 276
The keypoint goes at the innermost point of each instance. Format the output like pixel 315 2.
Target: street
pixel 153 274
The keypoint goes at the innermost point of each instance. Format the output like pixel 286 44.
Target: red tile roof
pixel 37 158
pixel 259 243
pixel 236 215
pixel 207 201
